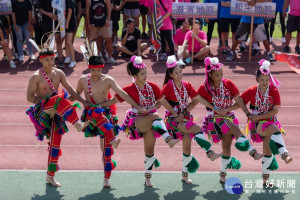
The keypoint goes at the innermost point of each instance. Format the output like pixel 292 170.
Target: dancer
pixel 220 123
pixel 177 93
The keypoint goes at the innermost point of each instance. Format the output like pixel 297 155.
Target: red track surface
pixel 19 148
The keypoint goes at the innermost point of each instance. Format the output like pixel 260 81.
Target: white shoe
pixel 163 56
pixel 67 60
pixel 21 58
pixel 111 60
pixel 283 40
pixel 180 62
pixel 72 64
pixel 151 48
pixel 12 64
pixel 32 57
pixel 106 55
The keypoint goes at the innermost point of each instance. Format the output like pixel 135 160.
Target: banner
pixel 60 7
pixel 258 10
pixel 293 60
pixel 195 10
pixel 157 24
pixel 5 7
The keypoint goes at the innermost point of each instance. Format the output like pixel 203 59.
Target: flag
pixel 60 6
pixel 293 60
pixel 157 24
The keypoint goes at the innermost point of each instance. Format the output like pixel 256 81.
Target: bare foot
pixel 52 181
pixel 187 180
pixel 215 156
pixel 288 159
pixel 106 183
pixel 81 125
pixel 222 179
pixel 172 142
pixel 148 182
pixel 115 143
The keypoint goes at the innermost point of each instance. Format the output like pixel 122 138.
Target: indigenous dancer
pixel 220 123
pixel 177 93
pixel 148 126
pixel 51 108
pixel 96 86
pixel 263 125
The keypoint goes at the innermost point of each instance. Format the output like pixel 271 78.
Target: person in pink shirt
pixel 293 24
pixel 179 37
pixel 166 31
pixel 201 49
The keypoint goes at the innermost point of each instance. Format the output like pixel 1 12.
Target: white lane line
pixel 124 146
pixel 137 171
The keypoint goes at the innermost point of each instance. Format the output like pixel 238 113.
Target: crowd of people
pixel 35 19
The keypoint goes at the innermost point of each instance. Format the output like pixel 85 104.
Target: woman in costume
pixel 177 93
pixel 221 124
pixel 148 125
pixel 263 125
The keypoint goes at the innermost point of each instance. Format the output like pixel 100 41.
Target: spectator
pixel 259 33
pixel 179 38
pixel 21 16
pixel 293 24
pixel 131 10
pixel 49 19
pixel 201 48
pixel 71 27
pixel 225 20
pixel 115 16
pixel 211 23
pixel 279 9
pixel 144 12
pixel 166 31
pixel 131 40
pixel 4 44
pixel 98 13
pixel 37 23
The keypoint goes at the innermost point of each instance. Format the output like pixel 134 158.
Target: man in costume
pixel 96 86
pixel 51 108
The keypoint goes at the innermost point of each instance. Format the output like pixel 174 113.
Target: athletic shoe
pixel 229 56
pixel 297 50
pixel 270 57
pixel 242 49
pixel 286 49
pixel 111 60
pixel 21 58
pixel 60 65
pixel 180 62
pixel 67 60
pixel 12 64
pixel 188 60
pixel 163 57
pixel 72 64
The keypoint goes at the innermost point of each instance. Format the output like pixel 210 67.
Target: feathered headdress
pixel 89 51
pixel 50 41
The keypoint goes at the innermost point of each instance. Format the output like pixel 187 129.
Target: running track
pixel 19 148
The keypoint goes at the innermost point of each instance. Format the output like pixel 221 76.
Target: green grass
pixel 23 185
pixel 276 34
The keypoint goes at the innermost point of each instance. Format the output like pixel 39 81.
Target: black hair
pixel 197 22
pixel 209 81
pixel 96 60
pixel 131 70
pixel 129 20
pixel 187 20
pixel 46 52
pixel 168 72
pixel 258 73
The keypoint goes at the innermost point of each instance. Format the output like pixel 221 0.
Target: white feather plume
pixel 52 42
pixel 214 60
pixel 138 60
pixel 94 48
pixel 35 45
pixel 171 59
